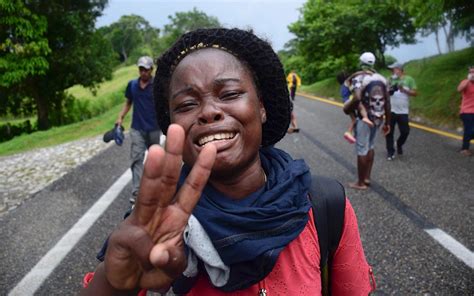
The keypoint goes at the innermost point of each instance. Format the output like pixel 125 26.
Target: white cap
pixel 145 62
pixel 367 58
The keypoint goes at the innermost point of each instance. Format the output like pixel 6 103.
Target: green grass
pixel 58 135
pixel 437 79
pixel 328 88
pixel 118 83
pixel 17 120
pixel 109 99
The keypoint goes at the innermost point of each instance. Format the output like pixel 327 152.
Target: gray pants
pixel 141 141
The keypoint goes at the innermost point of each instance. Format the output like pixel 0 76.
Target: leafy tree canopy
pixel 55 46
pixel 23 45
pixel 331 34
pixel 129 33
pixel 453 17
pixel 183 22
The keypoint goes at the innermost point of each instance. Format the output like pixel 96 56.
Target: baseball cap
pixel 145 62
pixel 396 65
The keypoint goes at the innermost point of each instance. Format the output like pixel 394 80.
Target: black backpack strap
pixel 328 199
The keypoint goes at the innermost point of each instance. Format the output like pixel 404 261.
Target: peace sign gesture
pixel 146 250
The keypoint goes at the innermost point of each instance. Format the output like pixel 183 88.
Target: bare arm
pixel 462 86
pixel 410 92
pixel 351 105
pixel 126 107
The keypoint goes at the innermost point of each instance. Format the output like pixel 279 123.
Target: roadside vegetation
pixel 58 135
pixel 63 79
pixel 436 77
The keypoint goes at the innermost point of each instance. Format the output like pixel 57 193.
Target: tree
pixel 129 33
pixel 77 55
pixel 183 22
pixel 332 34
pixel 23 50
pixel 453 17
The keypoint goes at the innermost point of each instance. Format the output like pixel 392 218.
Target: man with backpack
pixel 369 94
pixel 144 131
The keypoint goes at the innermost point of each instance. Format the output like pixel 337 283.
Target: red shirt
pixel 297 272
pixel 467 104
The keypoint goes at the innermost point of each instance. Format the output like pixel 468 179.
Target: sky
pixel 268 18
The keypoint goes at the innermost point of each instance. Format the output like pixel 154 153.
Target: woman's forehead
pixel 212 56
pixel 208 64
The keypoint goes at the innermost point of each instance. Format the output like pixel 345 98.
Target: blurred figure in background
pixel 466 88
pixel 370 96
pixel 353 83
pixel 293 81
pixel 144 131
pixel 402 87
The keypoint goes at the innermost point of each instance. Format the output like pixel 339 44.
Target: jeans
pixel 468 121
pixel 141 141
pixel 365 137
pixel 403 127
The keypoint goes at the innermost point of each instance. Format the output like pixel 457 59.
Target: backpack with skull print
pixel 374 89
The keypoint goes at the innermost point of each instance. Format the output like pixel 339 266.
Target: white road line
pixel 40 272
pixel 455 247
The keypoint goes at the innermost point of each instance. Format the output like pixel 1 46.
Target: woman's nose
pixel 210 112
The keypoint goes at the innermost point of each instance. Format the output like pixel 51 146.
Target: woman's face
pixel 213 97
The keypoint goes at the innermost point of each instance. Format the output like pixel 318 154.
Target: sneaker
pixel 391 157
pixel 466 152
pixel 133 199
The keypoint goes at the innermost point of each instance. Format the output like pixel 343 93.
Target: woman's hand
pixel 386 129
pixel 147 248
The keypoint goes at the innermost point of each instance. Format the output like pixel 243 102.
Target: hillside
pixel 437 78
pixel 109 99
pixel 437 103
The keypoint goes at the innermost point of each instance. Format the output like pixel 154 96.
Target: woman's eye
pixel 185 106
pixel 230 95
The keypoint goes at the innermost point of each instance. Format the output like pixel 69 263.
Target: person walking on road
pixel 401 88
pixel 222 211
pixel 144 131
pixel 466 88
pixel 353 82
pixel 293 82
pixel 370 90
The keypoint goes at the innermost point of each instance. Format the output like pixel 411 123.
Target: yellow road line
pixel 415 125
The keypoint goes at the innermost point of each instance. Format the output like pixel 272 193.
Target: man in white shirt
pixel 402 87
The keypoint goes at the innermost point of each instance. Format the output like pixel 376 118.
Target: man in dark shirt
pixel 144 131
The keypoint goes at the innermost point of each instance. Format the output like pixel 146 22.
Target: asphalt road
pixel 430 187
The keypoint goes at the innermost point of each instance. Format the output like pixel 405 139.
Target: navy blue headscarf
pixel 250 233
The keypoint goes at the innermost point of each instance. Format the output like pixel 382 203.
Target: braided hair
pixel 253 52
